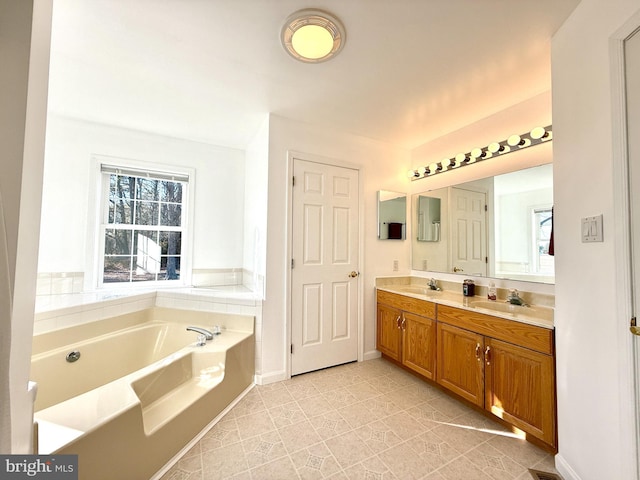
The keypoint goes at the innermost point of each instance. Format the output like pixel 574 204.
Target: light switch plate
pixel 592 229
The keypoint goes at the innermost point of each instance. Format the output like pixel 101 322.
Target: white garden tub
pixel 140 390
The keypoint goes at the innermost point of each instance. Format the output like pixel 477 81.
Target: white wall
pixel 515 227
pixel 434 254
pixel 25 33
pixel 255 201
pixel 517 119
pixel 70 183
pixel 384 168
pixel 592 341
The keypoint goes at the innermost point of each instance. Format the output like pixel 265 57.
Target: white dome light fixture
pixel 312 36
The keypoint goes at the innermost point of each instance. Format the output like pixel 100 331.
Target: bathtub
pixel 140 390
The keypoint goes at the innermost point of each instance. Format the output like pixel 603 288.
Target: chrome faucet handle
pixel 208 335
pixel 514 298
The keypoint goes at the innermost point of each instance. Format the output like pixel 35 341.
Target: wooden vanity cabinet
pixel 520 388
pixel 389 333
pixel 407 332
pixel 460 364
pixel 503 366
pixel 419 344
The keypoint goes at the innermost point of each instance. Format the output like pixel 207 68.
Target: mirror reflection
pixel 392 215
pixel 498 227
pixel 428 209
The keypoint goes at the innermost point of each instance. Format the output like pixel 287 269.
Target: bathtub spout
pixel 208 335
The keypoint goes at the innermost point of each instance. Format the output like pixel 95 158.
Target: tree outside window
pixel 144 227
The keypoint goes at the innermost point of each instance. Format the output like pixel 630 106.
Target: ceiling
pixel 210 70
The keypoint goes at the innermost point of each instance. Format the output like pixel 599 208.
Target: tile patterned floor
pixel 368 420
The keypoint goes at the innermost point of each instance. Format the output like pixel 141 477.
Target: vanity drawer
pixel 529 336
pixel 408 304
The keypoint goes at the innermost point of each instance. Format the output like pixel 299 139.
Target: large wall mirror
pixel 497 227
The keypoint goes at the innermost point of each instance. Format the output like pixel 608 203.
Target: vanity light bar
pixel 512 144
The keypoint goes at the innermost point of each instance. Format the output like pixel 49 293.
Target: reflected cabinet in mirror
pixel 496 227
pixel 392 215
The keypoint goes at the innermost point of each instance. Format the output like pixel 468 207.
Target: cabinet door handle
pixel 398 322
pixel 478 351
pixel 404 322
pixel 487 355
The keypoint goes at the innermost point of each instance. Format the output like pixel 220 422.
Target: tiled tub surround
pixel 59 283
pixel 141 390
pixel 217 277
pixel 64 283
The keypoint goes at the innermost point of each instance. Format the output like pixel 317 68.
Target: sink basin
pixel 540 312
pixel 417 289
pixel 412 289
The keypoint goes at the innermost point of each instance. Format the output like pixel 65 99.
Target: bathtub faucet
pixel 208 335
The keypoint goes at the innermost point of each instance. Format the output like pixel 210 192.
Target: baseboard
pixel 272 377
pixel 565 469
pixel 371 354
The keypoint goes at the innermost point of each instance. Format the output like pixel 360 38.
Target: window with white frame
pixel 542 218
pixel 143 225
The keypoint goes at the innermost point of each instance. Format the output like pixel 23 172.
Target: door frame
pixel 629 353
pixel 292 155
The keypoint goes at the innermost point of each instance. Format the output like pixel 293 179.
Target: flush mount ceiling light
pixel 312 36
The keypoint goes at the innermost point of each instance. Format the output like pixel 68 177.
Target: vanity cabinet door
pixel 520 388
pixel 460 363
pixel 389 331
pixel 419 344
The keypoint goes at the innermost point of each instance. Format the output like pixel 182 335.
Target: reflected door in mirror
pixel 469 231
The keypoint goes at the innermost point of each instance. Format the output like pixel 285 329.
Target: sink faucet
pixel 514 298
pixel 433 284
pixel 207 334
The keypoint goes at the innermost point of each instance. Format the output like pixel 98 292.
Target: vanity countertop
pixel 533 315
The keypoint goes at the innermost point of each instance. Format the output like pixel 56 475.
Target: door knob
pixel 354 274
pixel 634 328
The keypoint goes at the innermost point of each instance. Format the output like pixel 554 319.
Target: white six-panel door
pixel 324 279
